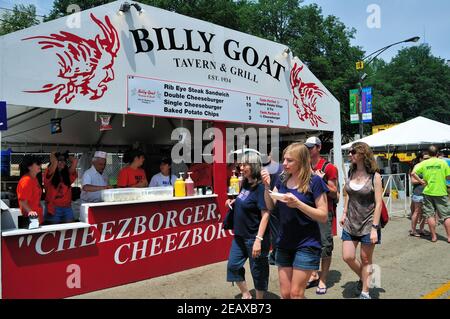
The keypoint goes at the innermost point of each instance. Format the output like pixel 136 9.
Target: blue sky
pixel 399 20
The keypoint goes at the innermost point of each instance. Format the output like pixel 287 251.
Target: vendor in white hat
pixel 94 181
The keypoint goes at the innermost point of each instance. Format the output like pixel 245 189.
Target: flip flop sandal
pixel 321 291
pixel 414 234
pixel 312 283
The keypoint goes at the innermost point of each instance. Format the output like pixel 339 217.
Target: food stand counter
pixel 116 243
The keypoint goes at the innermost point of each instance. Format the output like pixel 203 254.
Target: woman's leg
pixel 259 268
pixel 298 283
pixel 285 278
pixel 235 266
pixel 366 261
pixel 414 218
pixel 242 285
pixel 421 219
pixel 349 256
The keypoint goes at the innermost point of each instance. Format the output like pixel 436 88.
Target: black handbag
pixel 228 221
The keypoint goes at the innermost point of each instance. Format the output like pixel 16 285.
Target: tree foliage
pixel 414 83
pixel 19 18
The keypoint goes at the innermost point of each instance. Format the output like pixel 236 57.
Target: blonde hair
pixel 369 160
pixel 301 154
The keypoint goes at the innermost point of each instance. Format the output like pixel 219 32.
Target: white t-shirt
pixel 161 180
pixel 94 178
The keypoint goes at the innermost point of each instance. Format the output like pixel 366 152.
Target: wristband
pixel 260 238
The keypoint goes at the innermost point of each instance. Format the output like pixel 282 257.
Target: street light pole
pixel 373 55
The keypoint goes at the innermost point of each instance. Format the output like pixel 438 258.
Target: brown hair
pixel 300 153
pixel 369 160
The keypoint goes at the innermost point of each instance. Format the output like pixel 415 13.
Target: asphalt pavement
pixel 408 268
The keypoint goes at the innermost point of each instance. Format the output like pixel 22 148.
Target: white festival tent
pixel 415 134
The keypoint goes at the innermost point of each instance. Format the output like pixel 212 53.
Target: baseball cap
pixel 312 141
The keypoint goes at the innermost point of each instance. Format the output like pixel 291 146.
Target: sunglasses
pixel 353 152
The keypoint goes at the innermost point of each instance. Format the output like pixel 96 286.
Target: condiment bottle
pixel 234 183
pixel 180 186
pixel 190 191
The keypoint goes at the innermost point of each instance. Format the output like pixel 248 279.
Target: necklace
pixel 359 178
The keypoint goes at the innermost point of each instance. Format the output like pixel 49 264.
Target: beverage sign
pixel 354 106
pixel 367 104
pixel 157 97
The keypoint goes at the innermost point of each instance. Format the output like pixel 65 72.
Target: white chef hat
pixel 100 154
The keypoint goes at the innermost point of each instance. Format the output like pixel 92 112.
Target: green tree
pixel 414 83
pixel 19 18
pixel 61 7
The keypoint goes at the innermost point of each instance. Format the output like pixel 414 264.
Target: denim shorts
pixel 305 258
pixel 417 198
pixel 365 239
pixel 61 215
pixel 241 250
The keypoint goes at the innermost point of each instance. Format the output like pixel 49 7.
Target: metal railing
pixel 396 185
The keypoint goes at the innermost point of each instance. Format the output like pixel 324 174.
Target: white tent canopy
pixel 410 135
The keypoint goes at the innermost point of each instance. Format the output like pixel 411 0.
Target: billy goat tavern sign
pixel 163 64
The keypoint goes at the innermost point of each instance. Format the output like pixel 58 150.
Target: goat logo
pixel 305 97
pixel 85 65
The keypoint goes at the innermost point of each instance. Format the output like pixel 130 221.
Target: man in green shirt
pixel 435 172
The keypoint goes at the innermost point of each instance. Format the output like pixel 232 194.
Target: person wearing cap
pixel 133 175
pixel 58 178
pixel 165 176
pixel 94 181
pixel 29 190
pixel 329 173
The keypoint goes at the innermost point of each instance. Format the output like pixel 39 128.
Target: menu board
pixel 148 96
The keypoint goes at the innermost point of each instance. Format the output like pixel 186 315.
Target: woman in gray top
pixel 362 211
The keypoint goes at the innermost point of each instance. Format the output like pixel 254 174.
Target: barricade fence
pixel 394 187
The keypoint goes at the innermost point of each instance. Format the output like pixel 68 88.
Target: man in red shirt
pixel 329 173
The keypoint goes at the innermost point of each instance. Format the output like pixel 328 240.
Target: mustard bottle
pixel 234 183
pixel 180 186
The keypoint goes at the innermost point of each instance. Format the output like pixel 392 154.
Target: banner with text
pixel 354 105
pixel 125 243
pixel 367 104
pixel 184 100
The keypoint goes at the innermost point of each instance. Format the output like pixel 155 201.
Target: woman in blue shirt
pixel 251 239
pixel 302 205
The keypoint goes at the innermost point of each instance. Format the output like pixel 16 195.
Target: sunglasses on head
pixel 353 152
pixel 62 159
